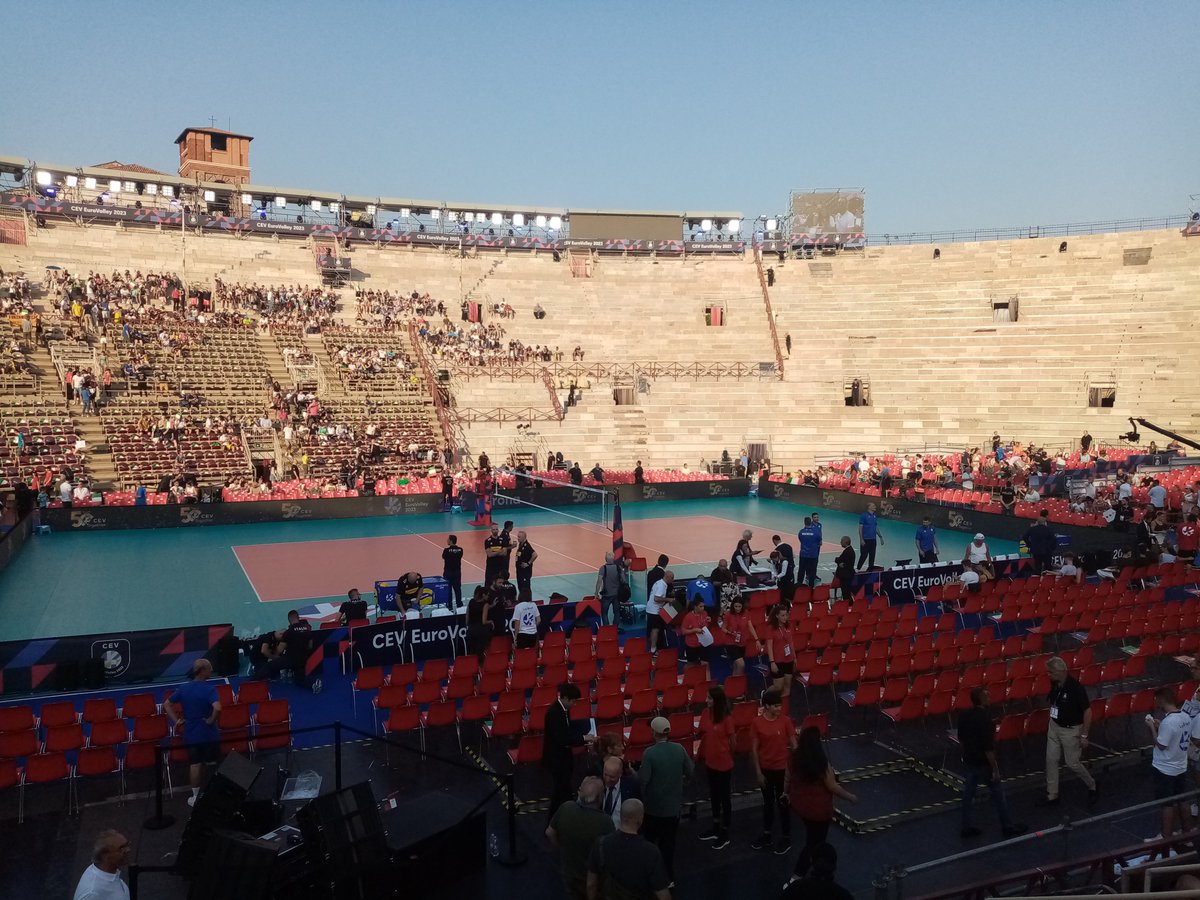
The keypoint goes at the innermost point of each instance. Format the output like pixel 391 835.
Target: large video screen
pixel 828 216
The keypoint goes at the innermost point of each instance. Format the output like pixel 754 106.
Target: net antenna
pixel 592 506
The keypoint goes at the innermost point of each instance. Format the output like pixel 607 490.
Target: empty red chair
pixel 273 726
pixel 17 718
pixel 55 714
pixel 46 768
pixel 253 692
pixel 103 709
pixel 135 706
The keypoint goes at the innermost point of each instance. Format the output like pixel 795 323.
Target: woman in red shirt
pixel 716 752
pixel 773 736
pixel 779 649
pixel 693 627
pixel 811 790
pixel 743 638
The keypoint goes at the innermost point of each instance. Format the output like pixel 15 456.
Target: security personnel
pixel 452 557
pixel 810 552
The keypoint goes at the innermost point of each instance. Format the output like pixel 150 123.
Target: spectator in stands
pixel 977 738
pixel 810 552
pixel 609 579
pixel 639 475
pixel 1070 570
pixel 811 788
pixel 1042 542
pixel 978 559
pixel 666 767
pixel 717 747
pixel 844 572
pixel 525 622
pixel 1070 722
pixel 574 827
pixel 926 541
pixel 772 738
pixel 452 557
pixel 1187 537
pixel 1008 498
pixel 868 537
pixel 201 707
pixel 102 879
pixel 1085 442
pixel 1032 495
pixel 559 742
pixel 1172 738
pixel 480 627
pixel 353 608
pixel 1157 495
pixel 526 557
pixel 624 865
pixel 66 492
pixel 597 474
pixel 789 556
pixel 576 474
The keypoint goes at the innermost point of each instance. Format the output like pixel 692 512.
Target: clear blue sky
pixel 949 115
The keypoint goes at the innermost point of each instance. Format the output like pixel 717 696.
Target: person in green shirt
pixel 665 768
pixel 574 827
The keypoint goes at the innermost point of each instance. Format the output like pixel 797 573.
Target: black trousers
pixel 814 833
pixel 929 557
pixel 808 570
pixel 775 799
pixel 787 587
pixel 1042 563
pixel 561 792
pixel 661 831
pixel 866 554
pixel 720 793
pixel 455 583
pixel 524 584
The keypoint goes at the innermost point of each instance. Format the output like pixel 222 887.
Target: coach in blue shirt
pixel 810 552
pixel 927 545
pixel 201 709
pixel 868 537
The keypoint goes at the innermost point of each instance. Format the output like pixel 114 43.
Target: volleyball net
pixel 589 505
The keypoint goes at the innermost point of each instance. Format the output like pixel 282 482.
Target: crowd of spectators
pixel 312 308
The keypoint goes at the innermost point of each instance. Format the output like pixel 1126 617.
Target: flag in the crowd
pixel 618 533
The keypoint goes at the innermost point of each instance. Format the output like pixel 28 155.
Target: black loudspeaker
pixel 219 806
pixel 345 835
pixel 91 675
pixel 224 657
pixel 66 677
pixel 235 865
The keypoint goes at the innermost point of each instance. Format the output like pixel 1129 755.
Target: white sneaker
pixel 192 800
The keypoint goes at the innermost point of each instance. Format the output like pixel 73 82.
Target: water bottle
pixel 493 846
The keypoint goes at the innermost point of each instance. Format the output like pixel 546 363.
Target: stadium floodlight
pixel 168 191
pixel 247 199
pixel 72 180
pixel 435 214
pixel 706 224
pixel 335 207
pixel 316 205
pixel 114 187
pixel 44 178
pixel 152 189
pixel 556 222
pixel 541 221
pixel 405 212
pixel 470 217
pixel 371 210
pixel 281 201
pixel 771 224
pixel 210 196
pixel 497 219
pixel 89 183
pixel 519 220
pixel 174 203
pixel 733 226
pixel 130 187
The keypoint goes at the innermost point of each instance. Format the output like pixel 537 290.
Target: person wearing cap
pixel 201 709
pixel 665 768
pixel 978 559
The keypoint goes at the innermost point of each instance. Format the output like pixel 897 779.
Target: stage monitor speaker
pixel 219 806
pixel 235 865
pixel 239 772
pixel 345 828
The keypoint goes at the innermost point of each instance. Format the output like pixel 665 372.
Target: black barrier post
pixel 159 820
pixel 512 857
pixel 337 753
pixel 134 871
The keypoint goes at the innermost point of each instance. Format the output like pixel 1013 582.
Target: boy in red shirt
pixel 773 737
pixel 1187 537
pixel 693 628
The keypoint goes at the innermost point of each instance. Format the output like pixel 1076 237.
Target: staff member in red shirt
pixel 778 639
pixel 716 752
pixel 811 789
pixel 773 737
pixel 743 637
pixel 1187 537
pixel 694 625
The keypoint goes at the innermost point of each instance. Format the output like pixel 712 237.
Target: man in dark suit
pixel 619 786
pixel 560 739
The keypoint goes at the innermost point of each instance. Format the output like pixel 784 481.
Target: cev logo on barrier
pixel 116 655
pixel 718 489
pixel 887 510
pixel 87 520
pixel 295 511
pixel 830 500
pixel 578 497
pixel 652 493
pixel 958 520
pixel 394 506
pixel 190 515
pixel 780 492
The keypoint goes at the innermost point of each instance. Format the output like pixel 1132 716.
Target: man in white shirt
pixel 1124 489
pixel 65 492
pixel 655 604
pixel 1158 495
pixel 1172 737
pixel 102 879
pixel 525 620
pixel 978 559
